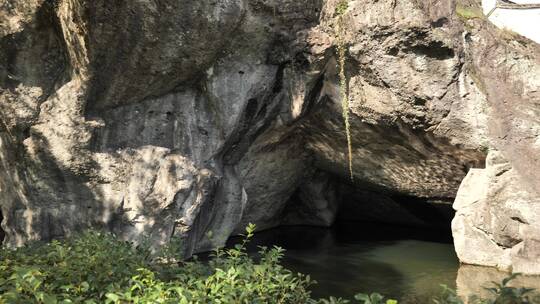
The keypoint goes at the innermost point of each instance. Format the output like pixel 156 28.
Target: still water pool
pixel 402 263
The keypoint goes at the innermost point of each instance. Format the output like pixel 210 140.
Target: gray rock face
pixel 194 118
pixel 161 44
pixel 496 223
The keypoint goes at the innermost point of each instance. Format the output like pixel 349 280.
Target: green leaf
pixel 112 297
pixel 85 286
pixel 49 299
pixel 362 297
pixel 376 297
pixel 510 278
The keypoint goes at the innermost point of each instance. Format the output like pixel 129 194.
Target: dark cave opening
pixel 405 215
pixel 377 242
pixel 336 204
pixel 364 257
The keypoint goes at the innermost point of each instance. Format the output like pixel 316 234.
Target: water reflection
pixel 408 264
pixel 403 263
pixel 473 280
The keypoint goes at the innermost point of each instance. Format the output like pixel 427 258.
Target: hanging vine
pixel 341 53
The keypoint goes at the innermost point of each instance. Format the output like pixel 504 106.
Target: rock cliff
pixel 191 118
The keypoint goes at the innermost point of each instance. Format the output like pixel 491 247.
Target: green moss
pixel 342 52
pixel 345 105
pixel 342 7
pixel 468 13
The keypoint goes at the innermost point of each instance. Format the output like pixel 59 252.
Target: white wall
pixel 524 22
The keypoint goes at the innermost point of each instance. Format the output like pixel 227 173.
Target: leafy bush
pixel 76 270
pixel 97 268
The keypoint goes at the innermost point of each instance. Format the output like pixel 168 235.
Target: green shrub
pixel 97 268
pixel 79 269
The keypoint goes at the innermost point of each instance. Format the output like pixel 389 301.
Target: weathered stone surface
pixel 496 222
pixel 404 83
pixel 31 61
pixel 316 202
pixel 193 118
pixel 138 49
pixel 14 15
pixel 489 228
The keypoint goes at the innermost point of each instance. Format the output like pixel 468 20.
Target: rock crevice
pixel 194 118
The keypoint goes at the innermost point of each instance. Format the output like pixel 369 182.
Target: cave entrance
pixel 365 257
pixel 400 247
pixel 399 217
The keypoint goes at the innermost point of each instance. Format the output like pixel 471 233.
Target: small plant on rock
pixel 341 8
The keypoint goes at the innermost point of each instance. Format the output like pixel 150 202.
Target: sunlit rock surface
pixel 496 223
pixel 193 118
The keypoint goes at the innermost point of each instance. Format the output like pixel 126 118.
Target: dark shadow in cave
pixel 353 257
pixel 419 218
pixel 2 233
pixel 399 246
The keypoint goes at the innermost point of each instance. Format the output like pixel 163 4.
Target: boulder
pixel 496 222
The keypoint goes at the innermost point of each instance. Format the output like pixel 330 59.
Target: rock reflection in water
pixel 401 263
pixel 472 280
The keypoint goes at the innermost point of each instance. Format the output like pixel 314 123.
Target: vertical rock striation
pixel 192 118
